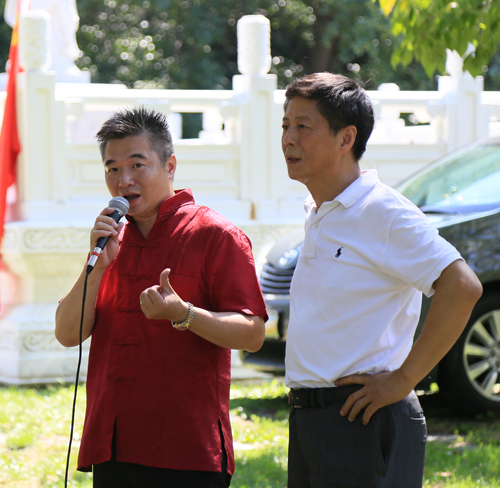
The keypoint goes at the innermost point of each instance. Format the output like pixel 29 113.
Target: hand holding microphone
pixel 120 206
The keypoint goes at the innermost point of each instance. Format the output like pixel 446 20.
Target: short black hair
pixel 134 122
pixel 341 101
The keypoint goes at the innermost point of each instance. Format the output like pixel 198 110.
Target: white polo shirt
pixel 356 291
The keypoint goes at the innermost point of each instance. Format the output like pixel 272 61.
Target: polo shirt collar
pixel 356 190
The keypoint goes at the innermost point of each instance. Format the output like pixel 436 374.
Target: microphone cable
pixel 120 206
pixel 80 354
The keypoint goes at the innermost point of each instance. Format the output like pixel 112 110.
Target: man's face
pixel 133 170
pixel 311 150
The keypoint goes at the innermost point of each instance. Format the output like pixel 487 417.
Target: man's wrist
pixel 409 379
pixel 188 320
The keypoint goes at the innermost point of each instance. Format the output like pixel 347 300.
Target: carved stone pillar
pixel 465 116
pixel 254 45
pixel 43 253
pixel 46 261
pixel 262 168
pixel 34 45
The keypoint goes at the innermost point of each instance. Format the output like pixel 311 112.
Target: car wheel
pixel 470 372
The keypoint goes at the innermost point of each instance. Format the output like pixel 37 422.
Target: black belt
pixel 320 397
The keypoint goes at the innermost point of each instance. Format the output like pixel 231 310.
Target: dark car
pixel 460 194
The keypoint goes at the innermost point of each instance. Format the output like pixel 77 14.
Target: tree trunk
pixel 321 59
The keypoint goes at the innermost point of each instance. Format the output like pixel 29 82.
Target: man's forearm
pixel 456 292
pixel 229 329
pixel 68 313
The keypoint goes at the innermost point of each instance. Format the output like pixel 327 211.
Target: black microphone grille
pixel 120 204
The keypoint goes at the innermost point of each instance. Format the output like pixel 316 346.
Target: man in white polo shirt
pixel 367 257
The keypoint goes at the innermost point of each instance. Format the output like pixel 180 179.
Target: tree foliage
pixel 5 35
pixel 192 43
pixel 429 27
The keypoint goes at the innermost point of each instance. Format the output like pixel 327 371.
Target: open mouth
pixel 131 198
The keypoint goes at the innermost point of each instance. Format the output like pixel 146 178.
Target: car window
pixel 470 177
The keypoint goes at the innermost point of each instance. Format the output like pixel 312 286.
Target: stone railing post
pixel 39 249
pixel 259 122
pixel 465 119
pixel 42 166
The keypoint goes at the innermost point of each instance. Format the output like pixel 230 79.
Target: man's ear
pixel 348 134
pixel 171 166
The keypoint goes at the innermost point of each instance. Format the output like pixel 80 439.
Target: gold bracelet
pixel 187 321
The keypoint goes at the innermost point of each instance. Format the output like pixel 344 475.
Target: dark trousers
pixel 328 451
pixel 114 474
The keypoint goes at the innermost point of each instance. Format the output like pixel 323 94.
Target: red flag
pixel 9 138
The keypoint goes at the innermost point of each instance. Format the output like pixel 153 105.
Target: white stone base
pixel 29 352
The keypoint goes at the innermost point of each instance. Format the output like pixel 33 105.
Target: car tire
pixel 469 375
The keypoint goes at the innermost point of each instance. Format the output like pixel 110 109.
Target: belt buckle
pixel 290 398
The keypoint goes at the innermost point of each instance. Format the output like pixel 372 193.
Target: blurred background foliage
pixel 429 27
pixel 191 44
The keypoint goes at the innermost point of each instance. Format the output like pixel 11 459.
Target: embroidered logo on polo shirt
pixel 339 251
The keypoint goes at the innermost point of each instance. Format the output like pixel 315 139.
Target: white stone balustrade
pixel 235 166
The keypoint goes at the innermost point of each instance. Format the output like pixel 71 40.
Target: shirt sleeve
pixel 232 279
pixel 415 252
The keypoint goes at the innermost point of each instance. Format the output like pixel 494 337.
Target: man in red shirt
pixel 172 293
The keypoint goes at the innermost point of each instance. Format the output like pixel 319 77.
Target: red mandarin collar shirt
pixel 167 390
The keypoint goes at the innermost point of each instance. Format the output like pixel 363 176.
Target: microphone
pixel 120 206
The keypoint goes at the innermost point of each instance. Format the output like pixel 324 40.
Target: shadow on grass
pixel 437 405
pixel 274 408
pixel 445 419
pixel 43 390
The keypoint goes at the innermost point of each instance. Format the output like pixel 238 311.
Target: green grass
pixel 259 416
pixel 462 465
pixel 34 429
pixel 35 423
